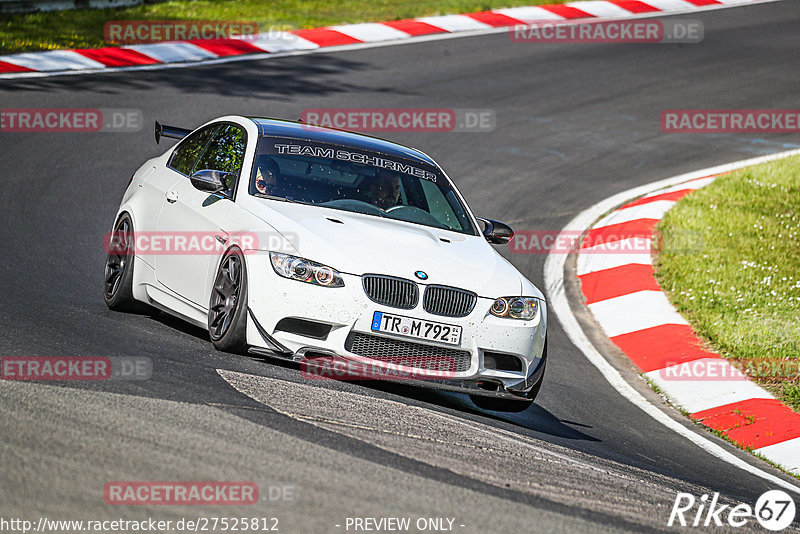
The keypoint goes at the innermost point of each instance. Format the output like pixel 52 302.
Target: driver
pixel 383 190
pixel 267 174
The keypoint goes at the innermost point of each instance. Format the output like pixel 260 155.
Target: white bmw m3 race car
pixel 301 242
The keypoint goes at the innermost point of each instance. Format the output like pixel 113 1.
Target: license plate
pixel 417 328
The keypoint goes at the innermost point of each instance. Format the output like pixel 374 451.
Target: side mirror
pixel 209 180
pixel 495 232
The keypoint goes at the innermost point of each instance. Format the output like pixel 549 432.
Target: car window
pixel 185 156
pixel 351 179
pixel 439 204
pixel 225 153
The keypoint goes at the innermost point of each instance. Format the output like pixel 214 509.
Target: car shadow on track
pixel 535 418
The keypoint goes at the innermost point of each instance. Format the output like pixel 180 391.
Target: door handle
pixel 172 197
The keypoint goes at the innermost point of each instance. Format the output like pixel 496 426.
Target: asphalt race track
pixel 575 123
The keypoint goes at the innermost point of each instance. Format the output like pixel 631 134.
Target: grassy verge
pixel 739 285
pixel 83 28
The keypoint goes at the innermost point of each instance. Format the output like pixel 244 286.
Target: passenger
pixel 267 175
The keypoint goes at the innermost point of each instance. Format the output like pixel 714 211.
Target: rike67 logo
pixel 774 510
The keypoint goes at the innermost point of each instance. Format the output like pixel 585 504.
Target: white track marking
pixel 698 395
pixel 370 32
pixel 53 61
pixel 173 52
pixel 554 286
pixel 598 8
pixel 634 311
pixel 650 210
pixel 529 14
pixel 455 23
pixel 786 453
pixel 280 42
pixel 669 5
pixel 692 185
pixel 608 255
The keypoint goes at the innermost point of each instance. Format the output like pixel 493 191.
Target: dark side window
pixel 225 153
pixel 185 156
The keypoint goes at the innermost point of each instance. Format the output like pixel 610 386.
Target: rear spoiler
pixel 162 130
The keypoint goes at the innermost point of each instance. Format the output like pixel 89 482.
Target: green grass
pixel 84 28
pixel 739 285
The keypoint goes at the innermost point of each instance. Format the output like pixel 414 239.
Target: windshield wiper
pixel 282 199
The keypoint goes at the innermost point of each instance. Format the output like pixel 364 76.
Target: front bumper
pixel 347 311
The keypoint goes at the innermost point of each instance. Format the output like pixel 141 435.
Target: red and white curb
pixel 561 308
pixel 626 300
pixel 148 56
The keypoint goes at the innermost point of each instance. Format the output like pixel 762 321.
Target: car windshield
pixel 355 180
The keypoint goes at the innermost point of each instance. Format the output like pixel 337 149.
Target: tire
pixel 118 275
pixel 227 309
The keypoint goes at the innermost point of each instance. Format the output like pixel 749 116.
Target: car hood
pixel 357 244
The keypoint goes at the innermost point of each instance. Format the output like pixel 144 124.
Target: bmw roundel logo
pixel 421 275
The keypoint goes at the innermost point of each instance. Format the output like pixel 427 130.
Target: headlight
pixel 305 271
pixel 515 307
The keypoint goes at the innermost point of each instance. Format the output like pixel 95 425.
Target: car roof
pixel 308 132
